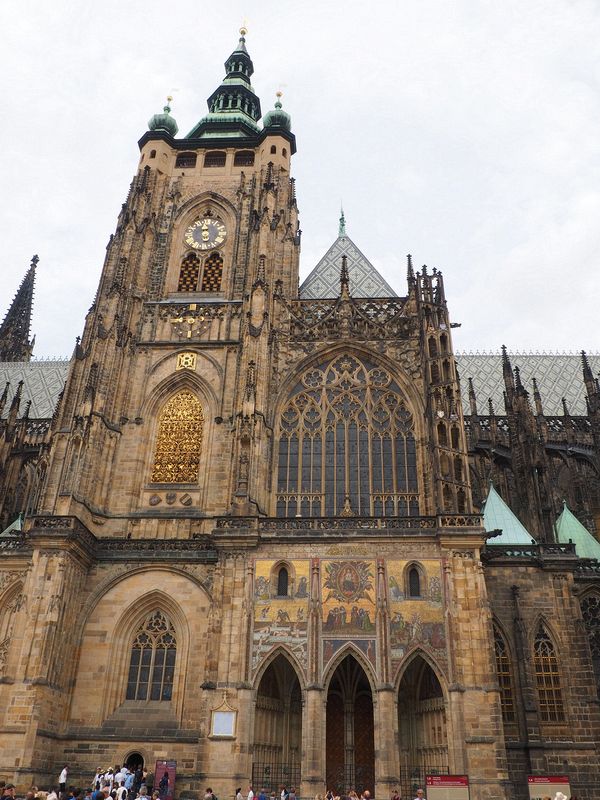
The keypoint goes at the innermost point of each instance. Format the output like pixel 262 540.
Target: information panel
pixel 164 779
pixel 447 787
pixel 543 786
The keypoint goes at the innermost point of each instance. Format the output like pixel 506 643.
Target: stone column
pixel 385 719
pixel 313 742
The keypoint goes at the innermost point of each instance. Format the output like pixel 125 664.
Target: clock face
pixel 205 233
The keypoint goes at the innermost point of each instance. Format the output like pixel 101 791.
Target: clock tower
pixel 185 301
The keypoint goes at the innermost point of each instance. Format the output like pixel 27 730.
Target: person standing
pixel 250 793
pixel 420 795
pixel 62 779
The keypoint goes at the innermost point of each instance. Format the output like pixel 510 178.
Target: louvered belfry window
pixel 547 679
pixel 179 440
pixel 152 661
pixel 346 444
pixel 188 274
pixel 212 273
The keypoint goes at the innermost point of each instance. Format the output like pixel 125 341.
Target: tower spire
pixel 233 108
pixel 14 331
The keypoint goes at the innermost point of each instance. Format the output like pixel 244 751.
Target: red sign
pixel 164 779
pixel 545 779
pixel 541 786
pixel 447 780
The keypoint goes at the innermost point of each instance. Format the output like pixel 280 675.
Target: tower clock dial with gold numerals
pixel 205 233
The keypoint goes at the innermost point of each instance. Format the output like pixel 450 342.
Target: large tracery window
pixel 547 678
pixel 507 700
pixel 152 663
pixel 346 444
pixel 590 608
pixel 179 440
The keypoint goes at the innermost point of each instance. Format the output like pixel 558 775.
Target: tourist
pixel 62 779
pixel 8 791
pixel 262 795
pixel 395 795
pixel 238 794
pixel 250 792
pixel 420 795
pixel 143 794
pixel 52 795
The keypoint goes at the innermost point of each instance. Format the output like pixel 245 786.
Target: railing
pixel 538 552
pixel 274 524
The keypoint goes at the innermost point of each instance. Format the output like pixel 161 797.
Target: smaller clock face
pixel 205 233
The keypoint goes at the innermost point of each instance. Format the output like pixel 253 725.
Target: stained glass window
pixel 179 440
pixel 346 444
pixel 507 701
pixel 590 608
pixel 547 679
pixel 188 274
pixel 152 663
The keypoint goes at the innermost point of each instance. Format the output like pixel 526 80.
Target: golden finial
pixel 169 98
pixel 244 29
pixel 279 93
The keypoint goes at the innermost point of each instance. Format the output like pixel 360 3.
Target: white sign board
pixel 447 787
pixel 543 786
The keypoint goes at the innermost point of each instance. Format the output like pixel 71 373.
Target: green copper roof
pixel 233 108
pixel 498 516
pixel 164 121
pixel 568 528
pixel 277 117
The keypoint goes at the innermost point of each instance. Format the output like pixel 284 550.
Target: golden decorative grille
pixel 346 443
pixel 507 701
pixel 179 440
pixel 152 662
pixel 188 274
pixel 212 273
pixel 547 679
pixel 186 361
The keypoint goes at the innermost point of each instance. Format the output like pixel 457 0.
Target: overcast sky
pixel 465 133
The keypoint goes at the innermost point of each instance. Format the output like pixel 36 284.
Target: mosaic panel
pixel 416 621
pixel 280 620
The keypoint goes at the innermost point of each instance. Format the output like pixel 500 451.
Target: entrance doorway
pixel 422 726
pixel 350 749
pixel 134 761
pixel 277 729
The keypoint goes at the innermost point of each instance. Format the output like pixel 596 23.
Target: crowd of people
pixel 114 783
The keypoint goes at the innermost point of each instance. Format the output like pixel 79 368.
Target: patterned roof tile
pixel 43 381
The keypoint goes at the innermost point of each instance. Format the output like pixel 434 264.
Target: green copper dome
pixel 277 117
pixel 164 121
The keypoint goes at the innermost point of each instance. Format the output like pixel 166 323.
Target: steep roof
pixel 498 516
pixel 324 280
pixel 558 375
pixel 568 528
pixel 43 382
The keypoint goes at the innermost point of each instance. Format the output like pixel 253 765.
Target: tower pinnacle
pixel 14 331
pixel 342 228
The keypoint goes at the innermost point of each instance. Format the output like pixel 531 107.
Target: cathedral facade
pixel 265 534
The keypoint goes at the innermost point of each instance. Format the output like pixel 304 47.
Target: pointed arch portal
pixel 350 749
pixel 277 729
pixel 421 726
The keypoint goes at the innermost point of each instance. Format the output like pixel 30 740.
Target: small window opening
pixel 455 437
pixel 186 160
pixel 152 153
pixel 282 582
pixel 284 152
pixel 273 149
pixel 215 158
pixel 433 351
pixel 244 158
pixel 414 583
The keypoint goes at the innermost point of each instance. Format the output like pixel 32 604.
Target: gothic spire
pixel 233 108
pixel 342 226
pixel 14 331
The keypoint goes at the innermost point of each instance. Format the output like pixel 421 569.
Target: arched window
pixel 590 608
pixel 152 662
pixel 442 434
pixel 185 160
pixel 455 437
pixel 507 700
pixel 458 468
pixel 346 444
pixel 212 273
pixel 414 582
pixel 188 274
pixel 215 158
pixel 273 149
pixel 547 678
pixel 179 440
pixel 435 373
pixel 152 153
pixel 282 582
pixel 243 158
pixel 433 350
pixel 284 152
